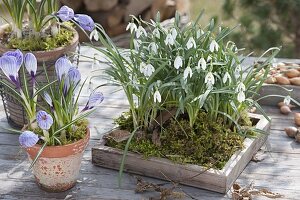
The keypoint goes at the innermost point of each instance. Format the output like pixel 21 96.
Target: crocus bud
pixel 85 21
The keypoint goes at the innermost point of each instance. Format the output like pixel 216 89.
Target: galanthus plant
pixel 40 19
pixel 58 120
pixel 191 69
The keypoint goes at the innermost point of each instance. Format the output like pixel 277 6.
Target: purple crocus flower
pixel 48 99
pixel 72 79
pixel 30 64
pixel 65 13
pixel 62 67
pixel 28 139
pixel 85 21
pixel 10 68
pixel 17 54
pixel 44 120
pixel 95 99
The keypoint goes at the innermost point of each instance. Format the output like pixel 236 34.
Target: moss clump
pixel 208 143
pixel 63 38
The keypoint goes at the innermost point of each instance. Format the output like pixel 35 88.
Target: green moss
pixel 63 38
pixel 208 143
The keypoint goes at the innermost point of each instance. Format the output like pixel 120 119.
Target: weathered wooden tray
pixel 274 89
pixel 192 175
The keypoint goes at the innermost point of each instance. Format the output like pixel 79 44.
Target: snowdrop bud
pixel 214 46
pixel 94 35
pixel 157 97
pixel 209 80
pixel 227 77
pixel 191 43
pixel 169 40
pixel 187 72
pixel 131 26
pixel 241 96
pixel 156 33
pixel 201 64
pixel 178 62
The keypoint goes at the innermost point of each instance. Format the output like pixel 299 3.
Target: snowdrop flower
pixel 94 35
pixel 227 77
pixel 140 31
pixel 85 21
pixel 287 100
pixel 188 71
pixel 213 46
pixel 156 33
pixel 44 120
pixel 157 97
pixel 178 62
pixel 131 26
pixel 136 44
pixel 95 99
pixel 153 47
pixel 209 80
pixel 238 69
pixel 199 33
pixel 30 64
pixel 28 139
pixel 17 54
pixel 65 13
pixel 240 87
pixel 208 58
pixel 142 67
pixel 10 68
pixel 174 33
pixel 201 64
pixel 169 40
pixel 191 43
pixel 149 69
pixel 62 67
pixel 241 96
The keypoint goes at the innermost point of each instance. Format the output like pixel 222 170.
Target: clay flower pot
pixel 15 112
pixel 57 168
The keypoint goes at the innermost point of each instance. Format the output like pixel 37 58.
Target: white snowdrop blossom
pixel 178 62
pixel 174 33
pixel 201 64
pixel 169 40
pixel 240 88
pixel 136 44
pixel 187 72
pixel 153 47
pixel 208 58
pixel 238 69
pixel 94 35
pixel 191 43
pixel 131 26
pixel 199 33
pixel 156 33
pixel 209 80
pixel 287 100
pixel 157 97
pixel 213 46
pixel 241 96
pixel 140 31
pixel 226 77
pixel 148 70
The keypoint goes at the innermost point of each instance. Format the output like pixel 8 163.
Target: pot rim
pixel 73 42
pixel 64 150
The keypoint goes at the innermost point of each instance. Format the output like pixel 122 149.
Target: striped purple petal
pixel 44 120
pixel 85 21
pixel 62 67
pixel 48 99
pixel 30 62
pixel 8 65
pixel 72 79
pixel 17 54
pixel 28 139
pixel 95 99
pixel 65 13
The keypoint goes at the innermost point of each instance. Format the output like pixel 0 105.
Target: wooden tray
pixel 192 175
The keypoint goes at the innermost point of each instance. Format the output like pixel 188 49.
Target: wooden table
pixel 278 170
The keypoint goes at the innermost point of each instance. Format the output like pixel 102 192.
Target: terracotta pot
pixel 57 168
pixel 14 111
